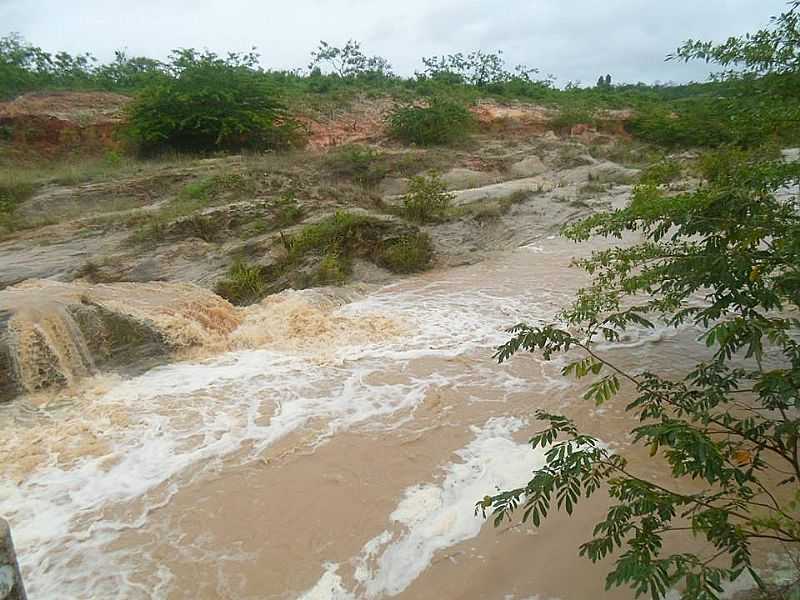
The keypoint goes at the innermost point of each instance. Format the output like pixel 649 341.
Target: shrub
pixel 427 199
pixel 210 104
pixel 362 164
pixel 333 269
pixel 409 254
pixel 244 284
pixel 336 234
pixel 443 121
pixel 703 122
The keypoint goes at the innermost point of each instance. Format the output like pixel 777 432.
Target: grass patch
pixel 288 213
pixel 493 209
pixel 13 192
pixel 340 233
pixel 601 182
pixel 322 254
pixel 569 117
pixel 285 213
pixel 361 164
pixel 409 254
pixel 333 269
pixel 245 283
pixel 194 197
pixel 612 177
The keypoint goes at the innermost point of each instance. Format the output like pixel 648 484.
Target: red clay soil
pixel 51 124
pixel 58 123
pixel 363 122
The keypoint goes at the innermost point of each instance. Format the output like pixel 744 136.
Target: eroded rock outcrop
pixel 55 123
pixel 53 334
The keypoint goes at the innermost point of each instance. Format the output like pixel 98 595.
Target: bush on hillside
pixel 443 121
pixel 362 164
pixel 409 254
pixel 211 104
pixel 427 199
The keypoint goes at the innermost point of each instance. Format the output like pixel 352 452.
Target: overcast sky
pixel 573 39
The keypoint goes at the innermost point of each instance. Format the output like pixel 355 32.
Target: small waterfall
pixel 47 350
pixel 53 334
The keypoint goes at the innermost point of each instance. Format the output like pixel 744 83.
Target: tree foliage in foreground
pixel 724 258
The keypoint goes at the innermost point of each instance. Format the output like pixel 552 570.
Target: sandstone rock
pixel 463 179
pixel 528 167
pixel 53 334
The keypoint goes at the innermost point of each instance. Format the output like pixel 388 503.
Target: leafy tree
pixel 349 61
pixel 604 83
pixel 24 67
pixel 476 68
pixel 481 69
pixel 730 424
pixel 129 73
pixel 761 79
pixel 210 103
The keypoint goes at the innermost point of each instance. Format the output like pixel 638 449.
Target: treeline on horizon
pixel 679 115
pixel 28 68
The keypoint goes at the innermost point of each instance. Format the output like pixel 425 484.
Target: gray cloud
pixel 573 39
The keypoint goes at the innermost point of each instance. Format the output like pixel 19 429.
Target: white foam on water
pixel 329 586
pixel 185 417
pixel 434 516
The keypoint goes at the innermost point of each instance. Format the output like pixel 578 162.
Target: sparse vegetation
pixel 333 269
pixel 427 199
pixel 361 164
pixel 570 157
pixel 246 283
pixel 569 117
pixel 287 211
pixel 13 191
pixel 180 215
pixel 322 253
pixel 593 188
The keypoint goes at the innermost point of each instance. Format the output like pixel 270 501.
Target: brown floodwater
pixel 330 447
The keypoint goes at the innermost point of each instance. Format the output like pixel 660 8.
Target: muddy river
pixel 335 451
